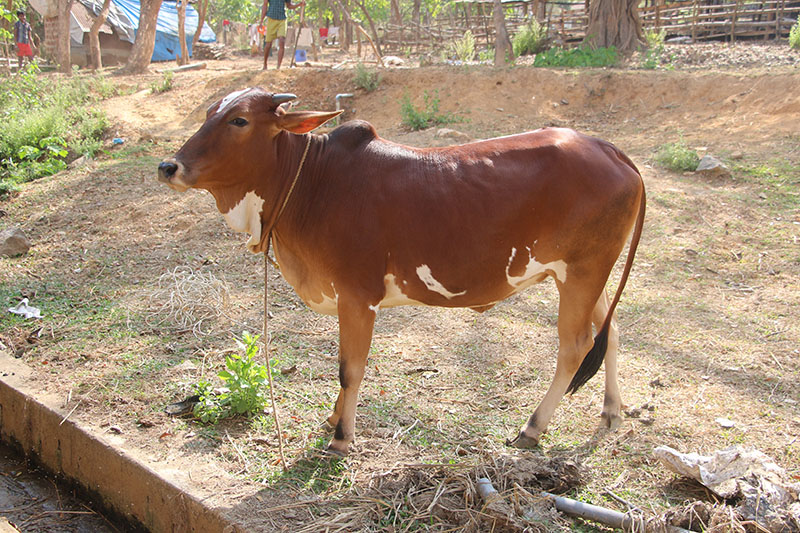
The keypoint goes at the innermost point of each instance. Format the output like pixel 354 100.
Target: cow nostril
pixel 167 169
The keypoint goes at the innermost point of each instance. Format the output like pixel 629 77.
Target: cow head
pixel 243 155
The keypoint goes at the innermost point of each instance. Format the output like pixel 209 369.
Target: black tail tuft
pixel 591 363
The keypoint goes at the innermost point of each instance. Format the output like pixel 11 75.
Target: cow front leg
pixel 574 342
pixel 356 321
pixel 612 401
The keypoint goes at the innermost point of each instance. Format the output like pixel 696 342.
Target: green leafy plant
pixel 653 56
pixel 677 157
pixel 583 56
pixel 794 35
pixel 418 119
pixel 45 122
pixel 164 84
pixel 366 78
pixel 530 39
pixel 246 386
pixel 462 49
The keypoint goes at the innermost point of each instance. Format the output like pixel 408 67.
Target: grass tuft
pixel 677 157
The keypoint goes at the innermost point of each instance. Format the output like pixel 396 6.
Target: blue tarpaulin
pixel 167 45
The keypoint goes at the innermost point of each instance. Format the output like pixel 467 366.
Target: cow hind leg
pixel 577 357
pixel 612 401
pixel 356 322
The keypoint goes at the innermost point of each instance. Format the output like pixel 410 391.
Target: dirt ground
pixel 710 327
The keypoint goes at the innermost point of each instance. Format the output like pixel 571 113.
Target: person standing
pixel 22 38
pixel 275 12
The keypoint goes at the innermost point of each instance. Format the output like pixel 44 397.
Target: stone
pixel 447 133
pixel 712 167
pixel 13 242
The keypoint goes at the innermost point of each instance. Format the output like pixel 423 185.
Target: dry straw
pixel 186 300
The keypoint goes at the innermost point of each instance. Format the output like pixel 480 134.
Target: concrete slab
pixel 126 486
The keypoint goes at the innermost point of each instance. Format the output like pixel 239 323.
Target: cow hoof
pixel 523 441
pixel 337 449
pixel 610 421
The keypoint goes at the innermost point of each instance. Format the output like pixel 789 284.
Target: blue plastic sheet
pixel 167 45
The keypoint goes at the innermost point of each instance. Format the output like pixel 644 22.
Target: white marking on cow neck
pixel 328 305
pixel 558 268
pixel 424 274
pixel 246 217
pixel 228 100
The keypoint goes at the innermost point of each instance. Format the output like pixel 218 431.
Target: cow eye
pixel 238 122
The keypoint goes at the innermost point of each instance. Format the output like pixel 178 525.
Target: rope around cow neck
pixel 267 261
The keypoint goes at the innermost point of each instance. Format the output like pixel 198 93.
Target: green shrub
pixel 654 55
pixel 164 84
pixel 366 78
pixel 677 157
pixel 419 119
pixel 246 386
pixel 794 35
pixel 44 122
pixel 531 39
pixel 583 56
pixel 462 49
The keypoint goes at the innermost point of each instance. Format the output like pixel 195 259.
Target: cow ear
pixel 304 121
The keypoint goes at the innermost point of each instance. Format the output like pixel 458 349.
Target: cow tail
pixel 594 359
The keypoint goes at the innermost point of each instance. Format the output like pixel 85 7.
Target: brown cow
pixel 360 223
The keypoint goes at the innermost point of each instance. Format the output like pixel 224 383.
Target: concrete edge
pixel 125 485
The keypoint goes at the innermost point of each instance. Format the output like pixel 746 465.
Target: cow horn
pixel 278 99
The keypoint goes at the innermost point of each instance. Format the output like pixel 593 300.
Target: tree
pixel 615 23
pixel 202 8
pixel 62 44
pixel 142 51
pixel 183 59
pixel 503 50
pixel 94 36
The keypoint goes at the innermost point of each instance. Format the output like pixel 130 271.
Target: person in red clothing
pixel 22 38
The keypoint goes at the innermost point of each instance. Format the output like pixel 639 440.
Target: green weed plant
pixel 583 56
pixel 421 118
pixel 794 35
pixel 246 386
pixel 462 49
pixel 46 122
pixel 366 78
pixel 677 157
pixel 164 84
pixel 655 53
pixel 531 39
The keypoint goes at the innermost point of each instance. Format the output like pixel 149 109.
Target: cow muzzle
pixel 171 172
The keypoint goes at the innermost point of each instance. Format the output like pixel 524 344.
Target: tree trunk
pixel 94 36
pixel 375 36
pixel 415 19
pixel 63 48
pixel 503 51
pixel 202 9
pixel 396 19
pixel 183 58
pixel 142 51
pixel 615 23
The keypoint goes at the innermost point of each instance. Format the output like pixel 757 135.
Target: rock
pixel 13 242
pixel 447 133
pixel 712 167
pixel 393 61
pixel 737 156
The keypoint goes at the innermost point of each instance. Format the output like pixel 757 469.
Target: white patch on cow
pixel 424 273
pixel 328 305
pixel 393 296
pixel 374 308
pixel 557 268
pixel 246 217
pixel 228 100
